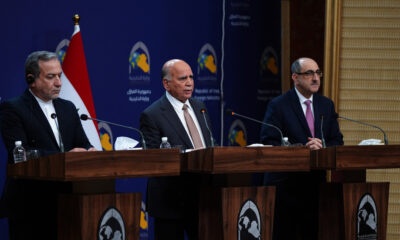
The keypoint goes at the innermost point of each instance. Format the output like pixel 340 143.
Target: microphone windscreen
pixel 53 116
pixel 229 111
pixel 84 117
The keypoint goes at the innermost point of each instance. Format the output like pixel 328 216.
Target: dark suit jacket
pixel 171 197
pixel 23 119
pixel 286 113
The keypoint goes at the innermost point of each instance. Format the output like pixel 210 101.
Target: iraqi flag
pixel 76 85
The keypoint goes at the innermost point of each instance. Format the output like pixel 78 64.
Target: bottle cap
pixel 18 143
pixel 164 139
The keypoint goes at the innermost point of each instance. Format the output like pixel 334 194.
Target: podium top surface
pixel 225 160
pixel 356 157
pixel 79 166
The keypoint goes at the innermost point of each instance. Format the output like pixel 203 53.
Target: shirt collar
pixel 302 99
pixel 176 103
pixel 40 101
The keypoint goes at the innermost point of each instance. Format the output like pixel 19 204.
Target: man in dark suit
pixel 42 121
pixel 172 201
pixel 300 113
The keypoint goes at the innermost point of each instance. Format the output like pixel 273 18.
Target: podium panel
pixel 236 213
pixel 99 216
pixel 353 211
pixel 92 209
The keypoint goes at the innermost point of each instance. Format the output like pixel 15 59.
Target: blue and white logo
pixel 249 222
pixel 367 219
pixel 111 226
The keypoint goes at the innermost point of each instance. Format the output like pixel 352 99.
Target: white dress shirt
pixel 178 105
pixel 302 99
pixel 48 109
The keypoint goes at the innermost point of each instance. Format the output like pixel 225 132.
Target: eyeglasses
pixel 310 73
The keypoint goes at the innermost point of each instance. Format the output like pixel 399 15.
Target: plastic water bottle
pixel 165 143
pixel 286 141
pixel 19 152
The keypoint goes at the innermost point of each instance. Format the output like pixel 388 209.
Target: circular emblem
pixel 237 134
pixel 367 219
pixel 111 225
pixel 249 227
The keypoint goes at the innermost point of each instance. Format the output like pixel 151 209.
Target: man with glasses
pixel 306 118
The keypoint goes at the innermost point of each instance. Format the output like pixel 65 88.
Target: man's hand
pixel 314 143
pixel 78 150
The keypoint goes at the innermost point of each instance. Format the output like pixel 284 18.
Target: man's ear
pixel 166 84
pixel 295 78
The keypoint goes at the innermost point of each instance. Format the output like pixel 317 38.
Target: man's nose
pixel 57 81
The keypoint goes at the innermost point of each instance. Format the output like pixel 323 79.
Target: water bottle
pixel 19 152
pixel 286 141
pixel 165 143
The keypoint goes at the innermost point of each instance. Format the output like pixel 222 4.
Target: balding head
pixel 177 77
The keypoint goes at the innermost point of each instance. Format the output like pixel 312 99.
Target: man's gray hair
pixel 32 62
pixel 296 65
pixel 166 69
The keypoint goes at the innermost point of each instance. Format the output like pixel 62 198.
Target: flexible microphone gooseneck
pixel 203 112
pixel 367 124
pixel 322 133
pixel 54 116
pixel 85 117
pixel 230 112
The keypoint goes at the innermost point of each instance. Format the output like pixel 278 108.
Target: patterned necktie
pixel 309 117
pixel 194 133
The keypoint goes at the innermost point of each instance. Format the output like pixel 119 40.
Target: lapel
pixel 296 107
pixel 37 112
pixel 61 119
pixel 168 111
pixel 317 116
pixel 202 123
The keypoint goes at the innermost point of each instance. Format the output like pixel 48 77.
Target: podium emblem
pixel 249 222
pixel 111 225
pixel 367 218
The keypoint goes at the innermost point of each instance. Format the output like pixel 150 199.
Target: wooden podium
pixel 93 207
pixel 354 209
pixel 238 212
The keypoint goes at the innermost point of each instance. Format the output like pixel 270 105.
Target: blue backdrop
pixel 233 47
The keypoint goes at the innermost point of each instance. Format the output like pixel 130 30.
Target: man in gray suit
pixel 173 201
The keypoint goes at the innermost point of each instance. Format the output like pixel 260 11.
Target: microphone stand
pixel 85 117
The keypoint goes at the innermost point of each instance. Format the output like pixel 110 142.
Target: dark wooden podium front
pixel 237 212
pixel 93 197
pixel 351 208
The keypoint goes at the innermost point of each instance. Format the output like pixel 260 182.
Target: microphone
pixel 203 112
pixel 85 117
pixel 367 124
pixel 322 133
pixel 283 142
pixel 54 116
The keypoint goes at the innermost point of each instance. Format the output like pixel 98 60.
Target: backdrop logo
pixel 139 63
pixel 207 63
pixel 106 137
pixel 144 222
pixel 367 219
pixel 111 225
pixel 249 227
pixel 62 49
pixel 269 68
pixel 237 134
